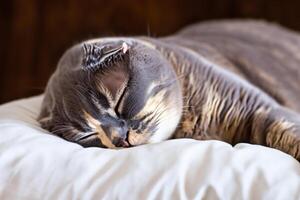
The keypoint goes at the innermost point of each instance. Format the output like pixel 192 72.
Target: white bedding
pixel 37 165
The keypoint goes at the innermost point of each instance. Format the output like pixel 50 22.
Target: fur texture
pixel 236 81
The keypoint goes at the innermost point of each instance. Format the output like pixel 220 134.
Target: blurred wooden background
pixel 35 33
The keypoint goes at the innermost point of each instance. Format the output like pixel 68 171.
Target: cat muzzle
pixel 119 135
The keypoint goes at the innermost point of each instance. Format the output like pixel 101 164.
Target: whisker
pixel 61 130
pixel 86 135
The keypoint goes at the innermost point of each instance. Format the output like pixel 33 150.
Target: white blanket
pixel 37 165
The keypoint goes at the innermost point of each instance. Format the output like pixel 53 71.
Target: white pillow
pixel 37 165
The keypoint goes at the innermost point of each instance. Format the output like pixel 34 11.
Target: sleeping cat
pixel 235 81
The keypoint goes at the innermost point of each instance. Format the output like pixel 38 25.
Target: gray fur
pixel 239 82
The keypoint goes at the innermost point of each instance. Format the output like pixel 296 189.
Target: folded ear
pixel 97 57
pixel 91 57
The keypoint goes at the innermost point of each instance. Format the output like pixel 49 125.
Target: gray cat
pixel 235 81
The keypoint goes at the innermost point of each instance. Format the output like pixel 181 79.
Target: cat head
pixel 115 92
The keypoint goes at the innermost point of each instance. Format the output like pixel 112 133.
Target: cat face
pixel 112 93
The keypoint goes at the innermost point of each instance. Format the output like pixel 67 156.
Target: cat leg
pixel 277 128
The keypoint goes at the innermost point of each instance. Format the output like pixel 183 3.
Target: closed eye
pixel 142 122
pixel 120 96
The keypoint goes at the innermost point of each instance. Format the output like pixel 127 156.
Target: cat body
pixel 235 81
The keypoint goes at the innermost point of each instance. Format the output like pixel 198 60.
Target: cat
pixel 231 80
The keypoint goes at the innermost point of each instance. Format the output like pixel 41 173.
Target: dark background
pixel 35 33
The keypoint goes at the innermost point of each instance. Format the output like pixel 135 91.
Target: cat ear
pixel 95 57
pixel 91 57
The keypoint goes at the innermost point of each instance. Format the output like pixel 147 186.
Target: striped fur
pixel 235 81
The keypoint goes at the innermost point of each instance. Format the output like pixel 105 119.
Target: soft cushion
pixel 37 165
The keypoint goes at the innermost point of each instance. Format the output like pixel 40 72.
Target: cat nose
pixel 120 134
pixel 119 142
